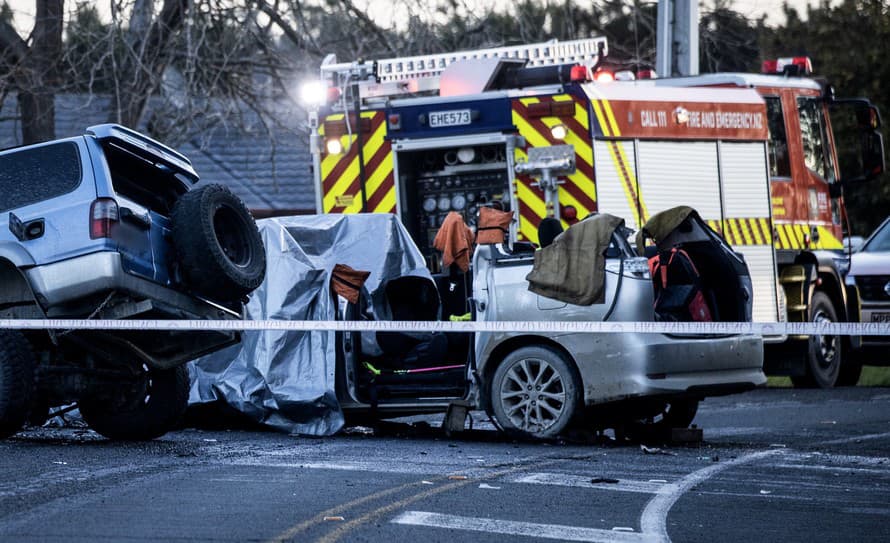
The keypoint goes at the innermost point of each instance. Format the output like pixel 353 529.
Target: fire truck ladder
pixel 417 74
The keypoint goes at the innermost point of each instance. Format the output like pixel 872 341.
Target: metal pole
pixel 356 101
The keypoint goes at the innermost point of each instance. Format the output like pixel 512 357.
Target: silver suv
pixel 538 384
pixel 108 226
pixel 870 274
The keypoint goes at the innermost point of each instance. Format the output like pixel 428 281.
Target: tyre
pixel 157 408
pixel 16 381
pixel 824 356
pixel 218 245
pixel 535 392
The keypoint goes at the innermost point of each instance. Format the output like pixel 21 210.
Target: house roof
pixel 269 169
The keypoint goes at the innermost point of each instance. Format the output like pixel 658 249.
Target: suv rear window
pixel 33 175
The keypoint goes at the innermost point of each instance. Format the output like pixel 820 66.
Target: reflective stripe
pixel 579 189
pixel 340 173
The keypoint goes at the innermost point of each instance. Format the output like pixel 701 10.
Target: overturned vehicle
pixel 532 384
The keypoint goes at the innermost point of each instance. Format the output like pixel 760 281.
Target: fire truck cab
pixel 550 131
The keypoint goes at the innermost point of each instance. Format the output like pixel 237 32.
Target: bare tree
pixel 33 69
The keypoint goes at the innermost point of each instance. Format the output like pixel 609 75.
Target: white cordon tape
pixel 550 327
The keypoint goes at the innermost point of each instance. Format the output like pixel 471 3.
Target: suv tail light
pixel 103 213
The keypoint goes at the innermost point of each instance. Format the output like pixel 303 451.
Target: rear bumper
pixel 78 286
pixel 86 276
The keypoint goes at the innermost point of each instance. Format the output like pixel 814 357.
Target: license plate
pixel 880 317
pixel 456 117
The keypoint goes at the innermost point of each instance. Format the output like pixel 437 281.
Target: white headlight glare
pixel 333 146
pixel 313 93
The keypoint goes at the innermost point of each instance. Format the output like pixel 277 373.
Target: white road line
pixel 528 529
pixel 584 481
pixel 854 439
pixel 653 521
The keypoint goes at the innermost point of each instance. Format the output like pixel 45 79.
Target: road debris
pixel 597 480
pixel 656 450
pixel 334 518
pixel 458 477
pixel 487 486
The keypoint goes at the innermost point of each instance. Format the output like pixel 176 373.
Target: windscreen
pixel 32 175
pixel 881 240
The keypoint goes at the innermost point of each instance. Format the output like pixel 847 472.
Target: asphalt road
pixel 775 465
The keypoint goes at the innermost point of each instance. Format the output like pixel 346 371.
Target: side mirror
pixel 873 154
pixel 860 145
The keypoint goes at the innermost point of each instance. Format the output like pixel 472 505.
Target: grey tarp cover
pixel 285 379
pixel 660 225
pixel 572 268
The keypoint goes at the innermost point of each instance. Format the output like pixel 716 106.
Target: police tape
pixel 532 327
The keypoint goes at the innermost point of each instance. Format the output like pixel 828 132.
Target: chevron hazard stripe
pixel 578 190
pixel 340 174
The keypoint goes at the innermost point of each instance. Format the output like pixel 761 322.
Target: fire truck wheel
pixel 535 392
pixel 16 381
pixel 151 410
pixel 217 243
pixel 824 354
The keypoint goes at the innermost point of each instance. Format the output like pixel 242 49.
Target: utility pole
pixel 677 38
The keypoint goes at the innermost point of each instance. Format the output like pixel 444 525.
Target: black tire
pixel 851 369
pixel 544 411
pixel 824 353
pixel 16 381
pixel 217 243
pixel 155 412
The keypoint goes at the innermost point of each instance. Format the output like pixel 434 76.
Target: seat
pixel 548 229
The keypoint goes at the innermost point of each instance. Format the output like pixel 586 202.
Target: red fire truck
pixel 754 154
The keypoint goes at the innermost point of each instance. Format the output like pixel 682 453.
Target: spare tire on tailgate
pixel 217 243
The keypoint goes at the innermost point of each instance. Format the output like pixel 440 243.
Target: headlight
pixel 313 93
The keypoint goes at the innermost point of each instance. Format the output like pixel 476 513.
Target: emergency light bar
pixel 788 66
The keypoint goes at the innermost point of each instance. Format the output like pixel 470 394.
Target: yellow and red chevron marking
pixel 579 190
pixel 609 127
pixel 757 231
pixel 744 231
pixel 340 183
pixel 793 236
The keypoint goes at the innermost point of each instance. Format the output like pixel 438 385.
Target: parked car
pixel 870 274
pixel 108 226
pixel 537 384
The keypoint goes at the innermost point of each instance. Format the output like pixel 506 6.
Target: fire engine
pixel 557 129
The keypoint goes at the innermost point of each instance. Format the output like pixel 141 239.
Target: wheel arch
pixel 16 295
pixel 509 345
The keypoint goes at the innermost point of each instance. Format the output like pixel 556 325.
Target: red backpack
pixel 680 294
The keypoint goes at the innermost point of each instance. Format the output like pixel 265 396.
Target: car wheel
pixel 535 392
pixel 155 410
pixel 217 243
pixel 824 360
pixel 16 381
